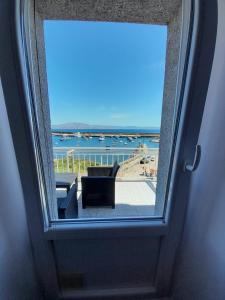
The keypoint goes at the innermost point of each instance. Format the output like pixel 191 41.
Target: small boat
pixel 78 134
pixel 121 141
pixel 90 137
pixel 125 143
pixel 155 140
pixel 102 138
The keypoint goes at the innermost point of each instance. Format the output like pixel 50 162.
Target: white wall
pixel 200 270
pixel 17 274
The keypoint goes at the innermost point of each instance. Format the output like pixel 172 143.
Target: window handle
pixel 191 168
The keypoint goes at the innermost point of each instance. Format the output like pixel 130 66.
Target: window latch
pixel 192 167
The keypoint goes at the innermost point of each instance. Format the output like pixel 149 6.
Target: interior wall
pixel 17 274
pixel 200 268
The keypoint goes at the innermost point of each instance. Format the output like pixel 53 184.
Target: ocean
pixel 109 142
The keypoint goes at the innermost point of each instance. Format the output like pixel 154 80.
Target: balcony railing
pixel 132 160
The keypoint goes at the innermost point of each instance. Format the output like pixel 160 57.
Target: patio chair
pixel 67 206
pixel 98 188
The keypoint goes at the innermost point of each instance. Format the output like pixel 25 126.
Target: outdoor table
pixel 65 180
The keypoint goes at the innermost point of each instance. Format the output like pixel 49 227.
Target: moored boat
pixel 102 138
pixel 155 140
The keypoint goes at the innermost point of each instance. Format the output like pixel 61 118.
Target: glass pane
pixel 106 85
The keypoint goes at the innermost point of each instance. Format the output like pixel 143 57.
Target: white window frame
pixel 40 91
pixel 42 12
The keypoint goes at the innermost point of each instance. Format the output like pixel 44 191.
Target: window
pixel 108 130
pixel 105 83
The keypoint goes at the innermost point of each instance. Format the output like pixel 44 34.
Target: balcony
pixel 135 184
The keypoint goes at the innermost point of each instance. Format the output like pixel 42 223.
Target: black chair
pixel 68 206
pixel 98 188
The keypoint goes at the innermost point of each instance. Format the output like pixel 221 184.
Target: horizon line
pixel 98 125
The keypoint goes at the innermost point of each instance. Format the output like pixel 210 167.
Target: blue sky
pixel 105 73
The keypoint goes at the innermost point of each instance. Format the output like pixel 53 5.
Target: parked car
pixel 146 159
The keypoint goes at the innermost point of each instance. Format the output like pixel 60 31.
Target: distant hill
pixel 75 126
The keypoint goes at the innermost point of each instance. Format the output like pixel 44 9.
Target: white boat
pixel 102 138
pixel 67 137
pixel 155 140
pixel 78 134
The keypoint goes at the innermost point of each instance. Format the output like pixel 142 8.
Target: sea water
pixel 108 142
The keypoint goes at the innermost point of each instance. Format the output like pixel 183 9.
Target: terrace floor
pixel 132 199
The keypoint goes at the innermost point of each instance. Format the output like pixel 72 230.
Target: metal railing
pixel 78 159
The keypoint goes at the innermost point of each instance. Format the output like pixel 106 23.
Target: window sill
pixel 105 229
